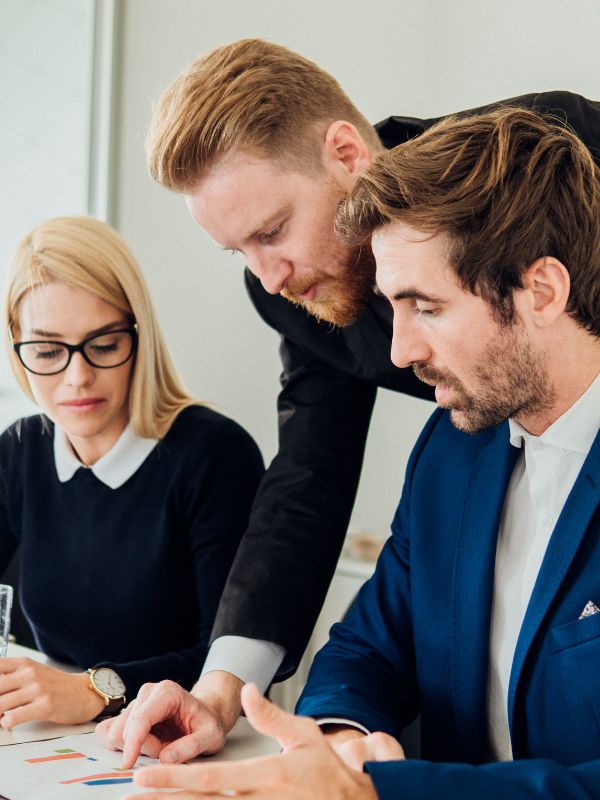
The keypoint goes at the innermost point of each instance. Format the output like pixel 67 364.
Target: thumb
pixel 270 720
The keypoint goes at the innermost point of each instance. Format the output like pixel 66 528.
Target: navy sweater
pixel 129 577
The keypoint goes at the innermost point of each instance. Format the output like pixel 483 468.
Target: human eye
pixel 270 236
pixel 45 351
pixel 106 344
pixel 425 311
pixel 109 347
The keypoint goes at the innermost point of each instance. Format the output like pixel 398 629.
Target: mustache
pixel 294 288
pixel 433 376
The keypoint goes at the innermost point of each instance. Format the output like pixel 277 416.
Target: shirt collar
pixel 114 468
pixel 574 430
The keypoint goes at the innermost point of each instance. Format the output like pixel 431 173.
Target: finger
pixel 381 747
pixel 222 778
pixel 10 664
pixel 270 720
pixel 151 746
pixel 135 730
pixel 205 741
pixel 11 701
pixel 145 691
pixel 9 682
pixel 25 712
pixel 109 733
pixel 181 795
pixel 155 703
pixel 353 752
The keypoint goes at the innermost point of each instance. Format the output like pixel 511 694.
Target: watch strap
pixel 111 709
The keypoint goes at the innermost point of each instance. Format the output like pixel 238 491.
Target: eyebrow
pixel 97 331
pixel 414 294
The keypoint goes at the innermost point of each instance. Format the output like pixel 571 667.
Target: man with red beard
pixel 484 611
pixel 263 144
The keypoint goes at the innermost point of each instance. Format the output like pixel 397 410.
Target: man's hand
pixel 355 747
pixel 30 690
pixel 375 747
pixel 168 723
pixel 308 769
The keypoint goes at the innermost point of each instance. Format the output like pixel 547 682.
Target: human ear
pixel 545 293
pixel 345 151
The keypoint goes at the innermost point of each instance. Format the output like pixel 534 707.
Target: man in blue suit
pixel 484 611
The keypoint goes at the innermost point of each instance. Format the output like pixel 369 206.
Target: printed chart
pixel 71 768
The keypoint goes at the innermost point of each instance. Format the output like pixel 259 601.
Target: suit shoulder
pixel 443 443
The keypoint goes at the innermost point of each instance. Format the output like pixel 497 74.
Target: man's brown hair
pixel 508 187
pixel 251 96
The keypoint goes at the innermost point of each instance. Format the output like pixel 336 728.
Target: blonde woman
pixel 125 496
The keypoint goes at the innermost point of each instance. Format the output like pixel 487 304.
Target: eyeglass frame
pixel 78 348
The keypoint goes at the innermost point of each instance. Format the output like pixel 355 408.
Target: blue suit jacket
pixel 417 638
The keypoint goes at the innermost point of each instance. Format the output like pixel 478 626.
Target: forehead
pixel 408 259
pixel 61 308
pixel 242 193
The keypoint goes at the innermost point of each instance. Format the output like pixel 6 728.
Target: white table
pixel 243 741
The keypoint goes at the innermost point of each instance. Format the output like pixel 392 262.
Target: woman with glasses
pixel 125 496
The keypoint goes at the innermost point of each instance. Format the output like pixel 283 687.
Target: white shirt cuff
pixel 250 660
pixel 341 721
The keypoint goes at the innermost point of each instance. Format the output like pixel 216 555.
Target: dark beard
pixel 510 380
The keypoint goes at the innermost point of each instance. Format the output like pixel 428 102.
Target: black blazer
pixel 329 381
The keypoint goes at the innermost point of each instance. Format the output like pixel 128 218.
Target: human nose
pixel 78 371
pixel 408 345
pixel 272 270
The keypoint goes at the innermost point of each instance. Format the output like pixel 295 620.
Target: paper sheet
pixel 69 768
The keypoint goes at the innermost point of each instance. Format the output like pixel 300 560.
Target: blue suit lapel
pixel 564 543
pixel 473 588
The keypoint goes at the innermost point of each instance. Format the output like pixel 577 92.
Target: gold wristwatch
pixel 105 682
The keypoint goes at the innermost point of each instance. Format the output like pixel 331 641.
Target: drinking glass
pixel 6 595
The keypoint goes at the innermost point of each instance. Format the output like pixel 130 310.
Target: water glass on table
pixel 6 596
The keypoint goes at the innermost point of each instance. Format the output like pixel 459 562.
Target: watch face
pixel 109 682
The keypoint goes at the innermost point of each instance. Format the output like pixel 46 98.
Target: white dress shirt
pixel 539 486
pixel 250 660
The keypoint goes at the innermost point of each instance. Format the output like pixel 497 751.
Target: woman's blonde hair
pixel 85 253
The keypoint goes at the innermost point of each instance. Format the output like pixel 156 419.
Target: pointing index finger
pixel 156 707
pixel 135 734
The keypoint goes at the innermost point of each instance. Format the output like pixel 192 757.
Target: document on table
pixel 68 768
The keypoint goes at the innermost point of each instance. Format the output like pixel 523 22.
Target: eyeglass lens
pixel 107 350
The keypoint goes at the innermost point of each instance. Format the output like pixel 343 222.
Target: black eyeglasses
pixel 104 351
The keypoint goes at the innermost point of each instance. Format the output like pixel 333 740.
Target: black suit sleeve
pixel 287 557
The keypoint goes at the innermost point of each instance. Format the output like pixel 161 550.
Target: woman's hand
pixel 29 690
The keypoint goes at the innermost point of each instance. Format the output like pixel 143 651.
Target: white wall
pixel 419 57
pixel 44 135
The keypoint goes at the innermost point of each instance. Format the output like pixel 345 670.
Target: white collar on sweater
pixel 123 459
